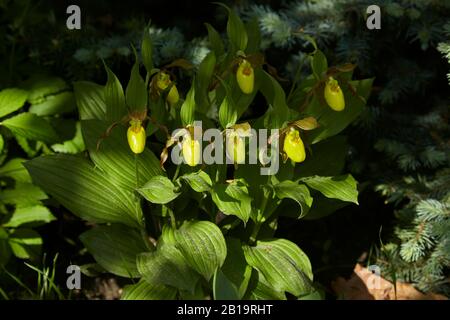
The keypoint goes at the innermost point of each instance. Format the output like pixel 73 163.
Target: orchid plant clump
pixel 199 229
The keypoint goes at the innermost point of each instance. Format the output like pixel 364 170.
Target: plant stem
pixel 172 219
pixel 255 232
pixel 144 234
pixel 177 172
pixel 137 169
pixel 258 223
pixel 297 75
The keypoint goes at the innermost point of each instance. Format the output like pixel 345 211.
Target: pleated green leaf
pixel 263 290
pixel 90 98
pixel 55 104
pixel 203 246
pixel 319 64
pixel 215 40
pixel 24 194
pixel 188 108
pixel 115 248
pixel 340 187
pixel 114 98
pixel 227 112
pixel 297 192
pixel 167 266
pixel 284 265
pixel 14 169
pixel 236 268
pixel 146 291
pixel 147 52
pixel 85 191
pixel 31 126
pixel 203 79
pixel 72 146
pixel 236 31
pixel 276 98
pixel 223 288
pixel 232 199
pixel 199 181
pixel 36 215
pixel 11 100
pixel 159 189
pixel 25 243
pixel 136 91
pixel 115 157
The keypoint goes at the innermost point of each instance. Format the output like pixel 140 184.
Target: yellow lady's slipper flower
pixel 136 136
pixel 293 146
pixel 245 77
pixel 333 95
pixel 163 82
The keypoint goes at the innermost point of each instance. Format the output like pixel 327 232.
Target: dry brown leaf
pixel 365 285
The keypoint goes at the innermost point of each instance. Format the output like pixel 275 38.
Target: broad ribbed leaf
pixel 146 291
pixel 254 36
pixel 55 104
pixel 85 191
pixel 35 215
pixel 72 146
pixel 14 169
pixel 263 290
pixel 42 87
pixel 318 161
pixel 25 243
pixel 227 112
pixel 203 246
pixel 114 98
pixel 136 92
pixel 167 266
pixel 236 30
pixel 215 40
pixel 188 108
pixel 232 199
pixel 339 187
pixel 31 126
pixel 24 194
pixel 203 79
pixel 319 64
pixel 199 181
pixel 297 192
pixel 90 98
pixel 285 266
pixel 115 157
pixel 147 52
pixel 115 248
pixel 223 288
pixel 159 189
pixel 11 100
pixel 235 268
pixel 278 111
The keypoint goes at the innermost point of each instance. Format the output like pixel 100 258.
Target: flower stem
pixel 177 172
